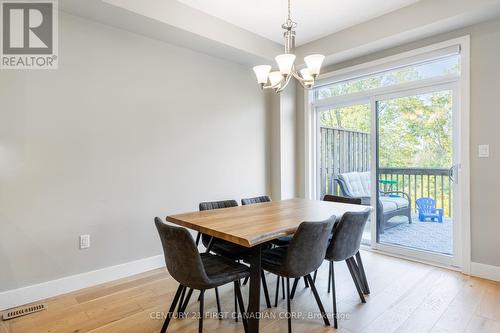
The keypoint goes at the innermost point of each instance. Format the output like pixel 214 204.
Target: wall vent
pixel 23 311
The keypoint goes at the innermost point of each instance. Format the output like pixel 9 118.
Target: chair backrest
pixel 355 184
pixel 181 255
pixel 335 198
pixel 209 205
pixel 218 204
pixel 426 205
pixel 250 201
pixel 307 249
pixel 347 235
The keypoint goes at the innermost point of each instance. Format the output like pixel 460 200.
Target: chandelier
pixel 278 80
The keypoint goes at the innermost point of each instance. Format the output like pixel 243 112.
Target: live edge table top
pixel 251 225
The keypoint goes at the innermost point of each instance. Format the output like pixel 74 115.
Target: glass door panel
pixel 414 159
pixel 344 147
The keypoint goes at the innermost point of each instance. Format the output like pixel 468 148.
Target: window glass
pixel 435 68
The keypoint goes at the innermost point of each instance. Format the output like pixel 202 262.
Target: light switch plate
pixel 484 151
pixel 84 242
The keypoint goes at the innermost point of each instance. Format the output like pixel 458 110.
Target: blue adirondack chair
pixel 427 210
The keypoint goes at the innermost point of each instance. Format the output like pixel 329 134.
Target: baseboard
pixel 485 271
pixel 16 297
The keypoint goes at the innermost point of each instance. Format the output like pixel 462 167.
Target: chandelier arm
pixel 283 86
pixel 301 80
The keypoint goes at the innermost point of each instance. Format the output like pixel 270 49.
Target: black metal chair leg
pixel 172 309
pixel 318 300
pixel 198 237
pixel 283 287
pixel 294 288
pixel 314 276
pixel 186 301
pixel 264 286
pixel 277 290
pixel 306 282
pixel 209 245
pixel 355 279
pixel 288 306
pixel 334 299
pixel 330 275
pixel 181 301
pixel 218 303
pixel 241 304
pixel 245 281
pixel 202 311
pixel 235 305
pixel 362 273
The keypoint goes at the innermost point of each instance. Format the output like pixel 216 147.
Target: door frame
pixel 463 126
pixel 454 260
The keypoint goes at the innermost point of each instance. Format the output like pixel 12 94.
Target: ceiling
pixel 315 18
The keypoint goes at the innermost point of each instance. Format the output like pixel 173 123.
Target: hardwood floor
pixel 405 297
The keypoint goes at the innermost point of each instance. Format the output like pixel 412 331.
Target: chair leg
pixel 198 237
pixel 277 290
pixel 362 273
pixel 288 305
pixel 241 304
pixel 186 301
pixel 330 275
pixel 181 301
pixel 202 311
pixel 314 276
pixel 245 281
pixel 318 300
pixel 235 305
pixel 209 245
pixel 218 303
pixel 283 287
pixel 172 308
pixel 264 286
pixel 294 288
pixel 355 279
pixel 334 299
pixel 306 282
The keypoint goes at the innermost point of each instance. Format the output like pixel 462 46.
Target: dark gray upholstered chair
pixel 300 258
pixel 220 246
pixel 251 201
pixel 347 200
pixel 227 249
pixel 195 271
pixel 354 201
pixel 344 245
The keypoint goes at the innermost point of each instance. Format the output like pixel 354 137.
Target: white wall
pixel 126 129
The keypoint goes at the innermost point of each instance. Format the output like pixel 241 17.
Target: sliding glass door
pixel 390 137
pixel 415 160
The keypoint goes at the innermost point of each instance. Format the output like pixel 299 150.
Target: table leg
pixel 254 297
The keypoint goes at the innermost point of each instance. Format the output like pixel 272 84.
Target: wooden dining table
pixel 253 225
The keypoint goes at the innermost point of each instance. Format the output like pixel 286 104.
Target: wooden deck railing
pixel 344 151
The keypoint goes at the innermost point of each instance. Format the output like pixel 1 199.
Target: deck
pixel 427 236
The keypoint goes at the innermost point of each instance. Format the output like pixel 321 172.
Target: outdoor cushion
pixel 357 183
pixel 400 202
pixel 388 206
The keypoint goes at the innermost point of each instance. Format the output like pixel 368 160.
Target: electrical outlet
pixel 84 242
pixel 484 151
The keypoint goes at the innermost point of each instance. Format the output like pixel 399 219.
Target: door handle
pixel 452 173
